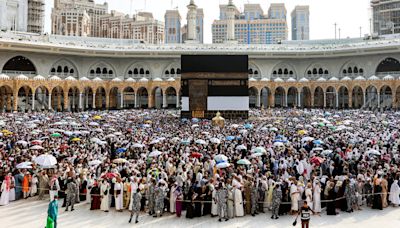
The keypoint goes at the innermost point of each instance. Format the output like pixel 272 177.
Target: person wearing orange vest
pixel 26 185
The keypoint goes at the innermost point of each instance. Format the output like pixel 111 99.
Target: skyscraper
pixel 252 26
pixel 385 16
pixel 172 27
pixel 301 23
pixel 200 25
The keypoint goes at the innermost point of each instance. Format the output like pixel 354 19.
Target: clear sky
pixel 348 14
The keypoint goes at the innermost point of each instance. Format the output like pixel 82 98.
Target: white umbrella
pixel 326 152
pixel 273 129
pixel 278 144
pixel 234 125
pixel 256 155
pixel 155 141
pixel 221 157
pixel 201 141
pixel 24 165
pixel 195 126
pixel 373 152
pixel 98 130
pixel 259 149
pixel 94 163
pixel 223 165
pixel 69 133
pixel 155 153
pixel 215 140
pixel 22 142
pixel 110 136
pixel 46 161
pixel 36 147
pixel 241 147
pixel 137 145
pixel 307 139
pixel 93 124
pixel 118 133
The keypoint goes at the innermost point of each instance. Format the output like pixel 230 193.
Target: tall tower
pixel 191 22
pixel 230 27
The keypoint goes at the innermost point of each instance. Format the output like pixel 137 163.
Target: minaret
pixel 230 28
pixel 191 23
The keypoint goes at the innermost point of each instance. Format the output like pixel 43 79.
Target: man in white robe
pixel 104 193
pixel 118 195
pixel 5 191
pixel 395 194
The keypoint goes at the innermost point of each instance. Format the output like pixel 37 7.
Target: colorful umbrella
pixel 56 135
pixel 243 162
pixel 120 160
pixel 196 155
pixel 121 150
pixel 75 139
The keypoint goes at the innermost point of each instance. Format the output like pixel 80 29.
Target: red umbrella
pixel 64 146
pixel 317 160
pixel 36 142
pixel 109 175
pixel 196 155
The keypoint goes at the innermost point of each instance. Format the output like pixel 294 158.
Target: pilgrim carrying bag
pixel 106 192
pixel 118 192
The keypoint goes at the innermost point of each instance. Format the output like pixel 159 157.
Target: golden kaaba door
pixel 198 91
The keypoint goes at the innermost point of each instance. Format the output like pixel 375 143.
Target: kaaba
pixel 212 83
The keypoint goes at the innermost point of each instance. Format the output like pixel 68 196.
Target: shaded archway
pixel 24 99
pixel 87 98
pixel 280 97
pixel 305 98
pixel 265 97
pixel 100 98
pixel 142 98
pixel 319 97
pixel 397 100
pixel 371 97
pixel 388 66
pixel 386 97
pixel 41 99
pixel 129 97
pixel 6 101
pixel 171 97
pixel 343 97
pixel 331 101
pixel 57 99
pixel 253 97
pixel 292 98
pixel 73 99
pixel 357 97
pixel 113 99
pixel 157 98
pixel 19 65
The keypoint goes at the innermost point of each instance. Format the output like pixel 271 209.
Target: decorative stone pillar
pixel 271 100
pixel 94 101
pixel 258 100
pixel 66 102
pixel 9 106
pixel 80 101
pixel 325 97
pixel 164 98
pixel 121 105
pixel 350 100
pixel 136 100
pixel 298 99
pixel 364 97
pixel 150 101
pixel 33 102
pixel 107 101
pixel 178 100
pixel 50 106
pixel 379 99
pixel 337 99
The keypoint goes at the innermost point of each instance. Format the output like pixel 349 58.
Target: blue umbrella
pixel 280 140
pixel 121 150
pixel 248 126
pixel 280 136
pixel 318 142
pixel 195 120
pixel 230 138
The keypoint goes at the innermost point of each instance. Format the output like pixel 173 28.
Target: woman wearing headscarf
pixel 394 196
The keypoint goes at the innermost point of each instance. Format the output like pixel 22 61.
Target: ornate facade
pixel 47 72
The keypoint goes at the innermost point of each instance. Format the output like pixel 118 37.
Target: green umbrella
pixel 55 135
pixel 321 124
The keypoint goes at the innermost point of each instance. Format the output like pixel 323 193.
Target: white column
pixel 285 100
pixel 379 99
pixel 258 100
pixel 337 99
pixel 178 100
pixel 73 101
pixel 122 100
pixel 80 101
pixel 136 100
pixel 49 101
pixel 33 101
pixel 87 101
pixel 364 96
pixel 325 99
pixel 94 101
pixel 164 101
pixel 299 99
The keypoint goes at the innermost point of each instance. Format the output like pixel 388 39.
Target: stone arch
pixel 343 96
pixel 388 66
pixel 253 97
pixel 265 97
pixel 41 98
pixel 101 70
pixel 386 95
pixel 142 97
pixel 357 97
pixel 292 99
pixel 371 97
pixel 315 71
pixel 87 98
pixel 100 98
pixel 173 70
pixel 157 97
pixel 64 68
pixel 6 98
pixel 351 69
pixel 284 71
pixel 254 71
pixel 57 99
pixel 19 65
pixel 138 70
pixel 129 97
pixel 73 99
pixel 319 97
pixel 305 97
pixel 171 97
pixel 331 97
pixel 280 97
